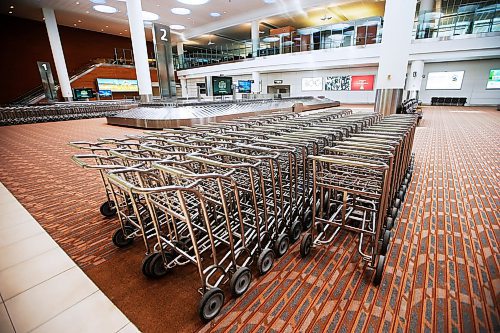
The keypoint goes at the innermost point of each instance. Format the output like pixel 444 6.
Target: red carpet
pixel 442 272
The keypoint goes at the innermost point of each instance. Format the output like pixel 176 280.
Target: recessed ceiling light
pixel 74 24
pixel 87 12
pixel 193 2
pixel 215 14
pixel 105 9
pixel 99 2
pixel 11 7
pixel 10 12
pixel 148 16
pixel 180 11
pixel 177 27
pixel 78 2
pixel 79 21
pixel 107 26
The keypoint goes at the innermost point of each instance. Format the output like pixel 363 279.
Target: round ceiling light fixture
pixel 97 2
pixel 193 2
pixel 180 11
pixel 177 27
pixel 148 16
pixel 215 14
pixel 105 9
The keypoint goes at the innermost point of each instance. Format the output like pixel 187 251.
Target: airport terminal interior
pixel 249 166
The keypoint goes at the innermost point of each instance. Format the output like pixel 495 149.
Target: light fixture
pixel 148 16
pixel 215 14
pixel 269 1
pixel 79 21
pixel 180 11
pixel 210 42
pixel 307 31
pixel 105 9
pixel 98 2
pixel 193 2
pixel 10 12
pixel 177 27
pixel 271 39
pixel 11 7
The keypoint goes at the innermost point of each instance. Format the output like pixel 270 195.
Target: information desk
pixel 170 115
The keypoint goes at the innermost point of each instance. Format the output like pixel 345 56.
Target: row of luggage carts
pixel 231 197
pixel 14 115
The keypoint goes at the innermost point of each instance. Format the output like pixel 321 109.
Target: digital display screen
pixel 82 93
pixel 118 85
pixel 494 79
pixel 362 82
pixel 312 84
pixel 105 93
pixel 222 85
pixel 445 80
pixel 336 83
pixel 350 82
pixel 245 86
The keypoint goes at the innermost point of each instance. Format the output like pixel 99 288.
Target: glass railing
pixel 349 33
pixel 470 19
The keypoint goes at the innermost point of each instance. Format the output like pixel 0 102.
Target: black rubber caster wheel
pixel 119 238
pixel 401 195
pixel 306 225
pixel 306 245
pixel 265 261
pixel 240 281
pixel 394 212
pixel 108 209
pixel 379 272
pixel 385 242
pixel 397 203
pixel 210 304
pixel 146 265
pixel 295 231
pixel 157 266
pixel 281 246
pixel 389 223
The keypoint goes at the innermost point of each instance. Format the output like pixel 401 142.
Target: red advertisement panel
pixel 362 82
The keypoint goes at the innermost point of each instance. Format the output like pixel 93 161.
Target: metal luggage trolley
pixel 192 237
pixel 359 195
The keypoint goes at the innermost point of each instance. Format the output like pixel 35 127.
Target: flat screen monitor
pixel 362 82
pixel 445 80
pixel 245 86
pixel 222 85
pixel 105 93
pixel 312 84
pixel 118 85
pixel 337 83
pixel 82 93
pixel 494 79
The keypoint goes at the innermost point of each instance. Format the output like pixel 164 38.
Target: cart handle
pixel 352 161
pixel 78 159
pixel 366 152
pixel 132 158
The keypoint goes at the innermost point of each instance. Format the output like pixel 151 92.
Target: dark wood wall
pixel 24 42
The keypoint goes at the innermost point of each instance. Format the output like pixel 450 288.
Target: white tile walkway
pixel 41 288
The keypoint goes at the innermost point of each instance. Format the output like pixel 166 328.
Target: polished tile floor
pixel 41 288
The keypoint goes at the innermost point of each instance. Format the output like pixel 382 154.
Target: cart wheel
pixel 108 209
pixel 397 203
pixel 389 223
pixel 406 181
pixel 307 219
pixel 240 281
pixel 394 212
pixel 401 195
pixel 295 231
pixel 385 242
pixel 119 238
pixel 282 244
pixel 265 261
pixel 306 245
pixel 146 265
pixel 157 266
pixel 379 271
pixel 210 304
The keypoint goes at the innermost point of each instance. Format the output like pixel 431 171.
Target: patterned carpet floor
pixel 442 272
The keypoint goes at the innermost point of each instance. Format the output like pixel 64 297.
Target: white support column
pixel 414 80
pixel 256 82
pixel 393 64
pixel 180 53
pixel 255 39
pixel 184 88
pixel 57 53
pixel 137 34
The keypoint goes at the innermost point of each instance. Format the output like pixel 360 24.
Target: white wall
pixel 473 86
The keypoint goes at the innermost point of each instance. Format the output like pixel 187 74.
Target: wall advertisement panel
pixel 350 82
pixel 445 80
pixel 493 79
